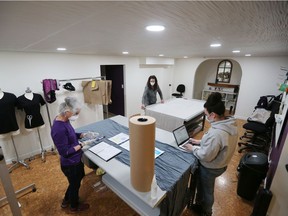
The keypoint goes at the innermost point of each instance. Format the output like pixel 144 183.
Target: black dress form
pixel 33 117
pixel 8 122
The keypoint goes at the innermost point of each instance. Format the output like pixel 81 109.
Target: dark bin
pixel 252 169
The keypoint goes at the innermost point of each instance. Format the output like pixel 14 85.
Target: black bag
pixel 262 202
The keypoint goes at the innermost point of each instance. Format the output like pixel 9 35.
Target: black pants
pixel 74 174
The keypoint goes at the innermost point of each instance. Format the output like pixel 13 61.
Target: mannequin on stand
pixel 30 95
pixel 9 127
pixel 8 123
pixel 31 103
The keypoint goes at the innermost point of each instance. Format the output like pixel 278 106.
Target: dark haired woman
pixel 214 152
pixel 150 92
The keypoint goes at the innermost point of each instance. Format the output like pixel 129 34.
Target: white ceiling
pixel 108 28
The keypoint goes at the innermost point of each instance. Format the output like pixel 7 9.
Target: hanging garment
pixel 97 91
pixel 33 117
pixel 49 87
pixel 68 86
pixel 108 87
pixel 8 122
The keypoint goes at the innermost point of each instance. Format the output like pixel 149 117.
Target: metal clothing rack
pixel 74 79
pixel 85 78
pixel 11 196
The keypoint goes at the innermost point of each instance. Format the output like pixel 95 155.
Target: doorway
pixel 204 83
pixel 115 73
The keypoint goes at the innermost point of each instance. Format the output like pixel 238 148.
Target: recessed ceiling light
pixel 236 51
pixel 155 28
pixel 125 52
pixel 185 56
pixel 215 45
pixel 247 54
pixel 61 49
pixel 161 55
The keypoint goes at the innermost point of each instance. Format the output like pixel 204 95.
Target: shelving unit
pixel 195 125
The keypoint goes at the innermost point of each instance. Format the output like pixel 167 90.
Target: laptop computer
pixel 181 136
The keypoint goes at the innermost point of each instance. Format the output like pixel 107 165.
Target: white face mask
pixel 74 118
pixel 152 83
pixel 210 121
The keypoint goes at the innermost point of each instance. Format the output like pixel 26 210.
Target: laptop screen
pixel 181 135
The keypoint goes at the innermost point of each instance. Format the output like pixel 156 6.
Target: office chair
pixel 180 89
pixel 257 136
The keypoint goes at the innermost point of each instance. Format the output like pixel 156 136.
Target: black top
pixel 8 121
pixel 33 116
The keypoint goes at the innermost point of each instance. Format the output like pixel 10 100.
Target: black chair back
pixel 180 88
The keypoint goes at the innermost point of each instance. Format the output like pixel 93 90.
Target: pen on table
pixel 100 138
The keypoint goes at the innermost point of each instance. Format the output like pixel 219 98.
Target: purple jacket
pixel 65 138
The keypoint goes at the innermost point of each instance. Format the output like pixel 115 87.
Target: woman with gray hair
pixel 70 150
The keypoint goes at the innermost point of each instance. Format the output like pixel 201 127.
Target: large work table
pixel 178 111
pixel 173 171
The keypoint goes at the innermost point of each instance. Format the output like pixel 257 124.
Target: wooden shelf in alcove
pixel 223 85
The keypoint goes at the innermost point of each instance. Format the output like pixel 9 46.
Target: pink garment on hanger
pixel 49 87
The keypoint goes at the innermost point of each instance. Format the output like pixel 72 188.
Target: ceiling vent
pixel 156 62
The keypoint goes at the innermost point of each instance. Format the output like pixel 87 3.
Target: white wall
pixel 21 70
pixel 260 76
pixel 184 73
pixel 18 71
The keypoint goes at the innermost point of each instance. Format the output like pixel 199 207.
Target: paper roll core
pixel 142 150
pixel 142 119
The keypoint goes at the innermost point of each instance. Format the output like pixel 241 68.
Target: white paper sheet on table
pixel 119 138
pixel 126 145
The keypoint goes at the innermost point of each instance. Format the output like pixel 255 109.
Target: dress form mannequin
pixel 13 130
pixel 8 122
pixel 28 94
pixel 30 102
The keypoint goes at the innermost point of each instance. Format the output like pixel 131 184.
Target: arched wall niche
pixel 206 73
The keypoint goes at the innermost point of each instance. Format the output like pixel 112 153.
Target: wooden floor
pixel 51 184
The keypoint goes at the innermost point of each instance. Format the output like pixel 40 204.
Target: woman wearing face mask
pixel 214 152
pixel 150 92
pixel 70 150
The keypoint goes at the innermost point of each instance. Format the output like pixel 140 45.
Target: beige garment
pixel 97 91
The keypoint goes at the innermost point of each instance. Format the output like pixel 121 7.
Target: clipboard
pixel 105 151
